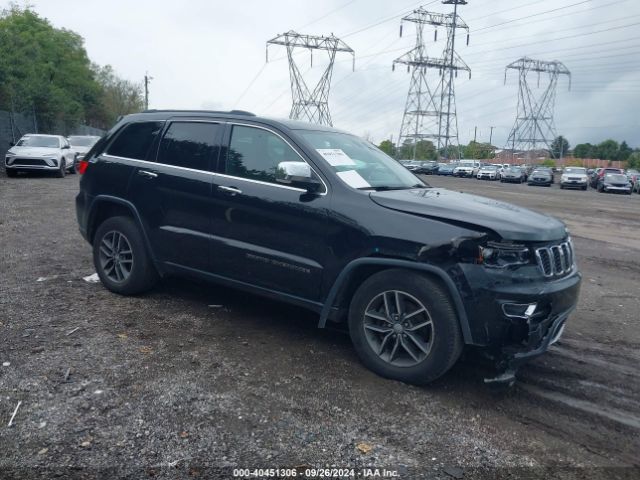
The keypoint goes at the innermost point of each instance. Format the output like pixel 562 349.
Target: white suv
pixel 40 152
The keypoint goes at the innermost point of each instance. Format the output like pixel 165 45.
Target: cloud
pixel 204 54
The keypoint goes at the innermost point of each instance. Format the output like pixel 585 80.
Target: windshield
pixel 513 170
pixel 540 172
pixel 359 163
pixel 39 141
pixel 83 141
pixel 615 177
pixel 490 167
pixel 575 170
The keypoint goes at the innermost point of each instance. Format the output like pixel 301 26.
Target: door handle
pixel 148 174
pixel 229 190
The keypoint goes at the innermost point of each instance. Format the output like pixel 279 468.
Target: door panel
pixel 174 193
pixel 264 233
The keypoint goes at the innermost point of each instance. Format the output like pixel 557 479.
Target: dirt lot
pixel 193 380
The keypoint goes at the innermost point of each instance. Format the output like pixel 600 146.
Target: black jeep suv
pixel 320 218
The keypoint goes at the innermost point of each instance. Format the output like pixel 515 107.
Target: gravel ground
pixel 193 380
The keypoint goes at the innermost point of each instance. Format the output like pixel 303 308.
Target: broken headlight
pixel 501 255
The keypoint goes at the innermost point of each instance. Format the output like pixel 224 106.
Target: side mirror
pixel 297 174
pixel 65 147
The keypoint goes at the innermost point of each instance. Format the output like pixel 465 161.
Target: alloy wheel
pixel 398 328
pixel 116 256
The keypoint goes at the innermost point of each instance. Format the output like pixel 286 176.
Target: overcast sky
pixel 205 53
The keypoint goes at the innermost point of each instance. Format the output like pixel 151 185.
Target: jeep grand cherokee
pixel 320 218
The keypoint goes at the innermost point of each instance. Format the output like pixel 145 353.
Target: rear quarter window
pixel 135 140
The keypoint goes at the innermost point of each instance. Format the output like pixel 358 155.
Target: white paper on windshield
pixel 335 156
pixel 353 179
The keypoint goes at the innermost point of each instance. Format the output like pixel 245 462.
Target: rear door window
pixel 192 145
pixel 135 140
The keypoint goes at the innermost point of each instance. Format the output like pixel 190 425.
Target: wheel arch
pixel 354 273
pixel 106 206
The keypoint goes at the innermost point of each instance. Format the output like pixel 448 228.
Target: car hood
pixel 509 221
pixel 33 151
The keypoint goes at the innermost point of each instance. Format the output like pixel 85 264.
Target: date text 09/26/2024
pixel 315 473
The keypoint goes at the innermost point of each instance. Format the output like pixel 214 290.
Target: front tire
pixel 11 173
pixel 121 258
pixel 403 326
pixel 62 171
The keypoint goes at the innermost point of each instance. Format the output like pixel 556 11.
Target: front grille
pixel 555 260
pixel 29 161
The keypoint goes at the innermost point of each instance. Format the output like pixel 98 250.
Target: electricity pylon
pixel 430 111
pixel 310 105
pixel 534 127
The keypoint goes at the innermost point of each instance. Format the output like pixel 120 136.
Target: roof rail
pixel 230 112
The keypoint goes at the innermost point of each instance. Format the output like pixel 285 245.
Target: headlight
pixel 501 255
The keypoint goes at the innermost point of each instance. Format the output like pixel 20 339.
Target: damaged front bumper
pixel 515 322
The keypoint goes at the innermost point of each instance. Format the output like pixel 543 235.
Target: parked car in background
pixel 614 183
pixel 551 172
pixel 466 168
pixel 601 172
pixel 636 185
pixel 488 172
pixel 513 175
pixel 411 165
pixel 429 167
pixel 81 144
pixel 446 169
pixel 574 177
pixel 632 175
pixel 35 152
pixel 541 176
pixel 295 212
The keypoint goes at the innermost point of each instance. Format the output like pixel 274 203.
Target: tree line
pixel 46 71
pixel 560 147
pixel 426 150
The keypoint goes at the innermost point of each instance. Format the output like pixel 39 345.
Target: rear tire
pixel 419 312
pixel 121 258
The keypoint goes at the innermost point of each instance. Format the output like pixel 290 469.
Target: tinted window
pixel 190 145
pixel 135 140
pixel 255 153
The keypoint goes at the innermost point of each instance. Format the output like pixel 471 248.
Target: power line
pixel 326 15
pixel 531 16
pixel 559 38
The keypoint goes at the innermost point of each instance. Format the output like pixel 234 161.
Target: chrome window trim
pixel 326 187
pixel 214 174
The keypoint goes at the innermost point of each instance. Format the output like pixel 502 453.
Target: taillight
pixel 82 166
